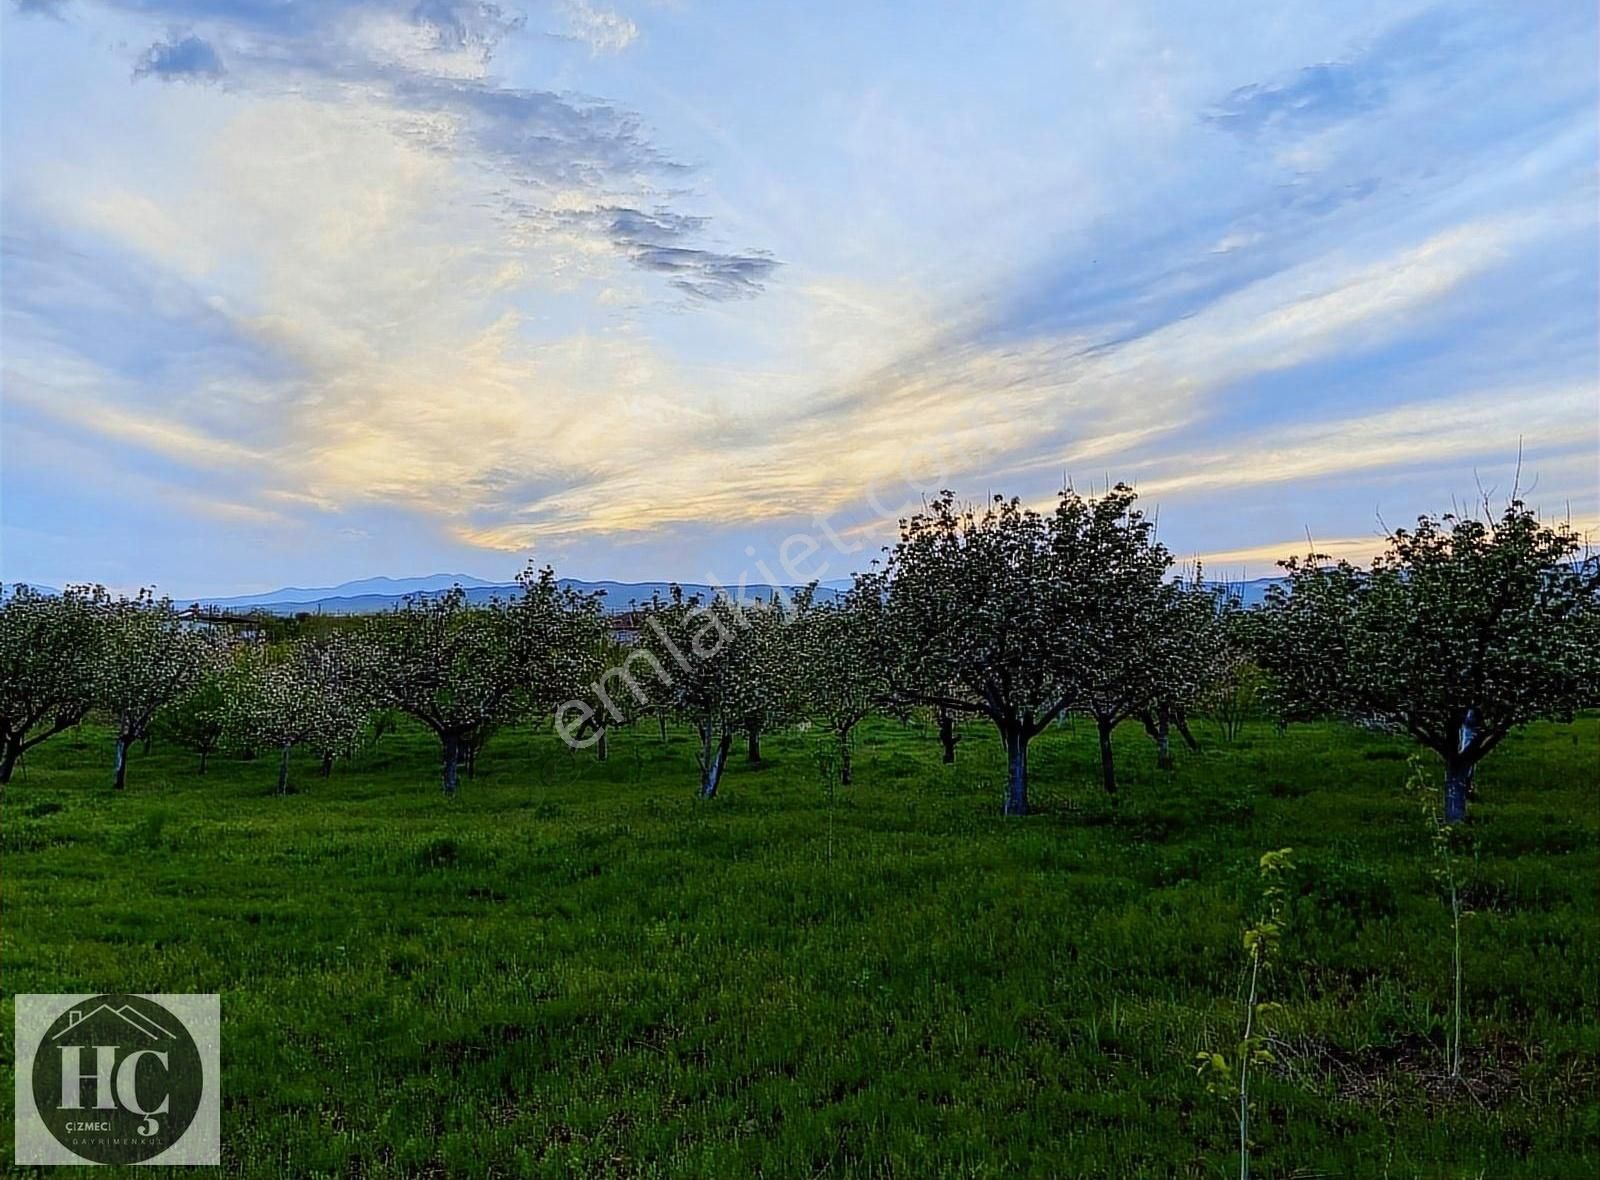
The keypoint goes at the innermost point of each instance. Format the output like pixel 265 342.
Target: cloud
pixel 601 30
pixel 465 24
pixel 540 141
pixel 705 274
pixel 1319 94
pixel 1333 92
pixel 1486 425
pixel 430 59
pixel 162 435
pixel 1078 390
pixel 652 242
pixel 1255 561
pixel 180 57
pixel 1262 560
pixel 506 442
pixel 958 407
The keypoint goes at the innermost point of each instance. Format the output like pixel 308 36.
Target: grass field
pixel 577 968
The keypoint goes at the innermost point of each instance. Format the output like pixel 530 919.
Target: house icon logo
pixel 117 1079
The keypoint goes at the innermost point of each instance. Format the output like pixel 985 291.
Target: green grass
pixel 577 968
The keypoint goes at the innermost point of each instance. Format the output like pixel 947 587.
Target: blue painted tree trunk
pixel 1016 740
pixel 1458 770
pixel 713 760
pixel 1457 789
pixel 452 762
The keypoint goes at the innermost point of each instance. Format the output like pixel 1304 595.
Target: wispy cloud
pixel 1329 92
pixel 1484 425
pixel 600 29
pixel 1257 561
pixel 182 56
pixel 430 60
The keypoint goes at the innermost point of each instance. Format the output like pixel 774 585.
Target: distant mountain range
pixel 381 588
pixel 1250 593
pixel 371 595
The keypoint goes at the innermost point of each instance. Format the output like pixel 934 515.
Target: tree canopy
pixel 50 647
pixel 149 657
pixel 464 669
pixel 717 664
pixel 1461 631
pixel 976 619
pixel 1111 568
pixel 840 658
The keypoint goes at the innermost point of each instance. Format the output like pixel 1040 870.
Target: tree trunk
pixel 1182 723
pixel 120 779
pixel 327 765
pixel 1155 724
pixel 714 761
pixel 1108 767
pixel 283 769
pixel 8 759
pixel 148 738
pixel 753 734
pixel 600 750
pixel 844 761
pixel 948 737
pixel 1458 768
pixel 661 718
pixel 452 756
pixel 203 754
pixel 1457 788
pixel 1016 742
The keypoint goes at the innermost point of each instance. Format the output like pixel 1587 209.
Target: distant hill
pixel 361 588
pixel 372 595
pixel 367 596
pixel 1249 593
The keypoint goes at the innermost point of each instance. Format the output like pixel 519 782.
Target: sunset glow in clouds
pixel 299 292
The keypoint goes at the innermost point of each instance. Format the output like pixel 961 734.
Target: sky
pixel 299 292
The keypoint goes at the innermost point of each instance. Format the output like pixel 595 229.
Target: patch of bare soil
pixel 1414 1068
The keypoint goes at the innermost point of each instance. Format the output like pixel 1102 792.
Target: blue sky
pixel 302 292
